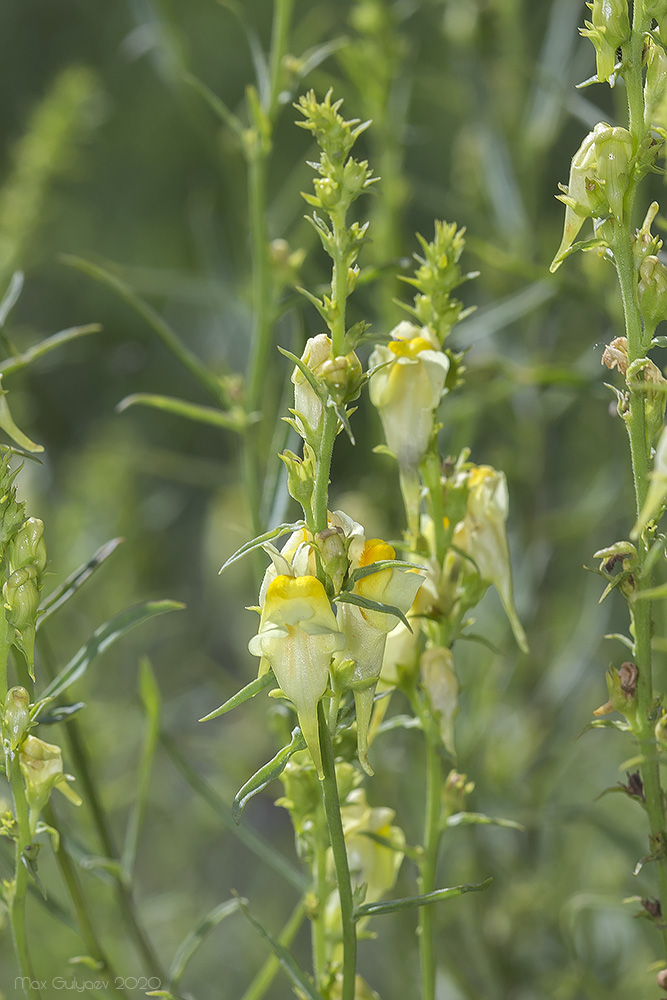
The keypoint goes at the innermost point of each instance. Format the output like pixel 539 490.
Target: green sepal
pixel 411 902
pixel 266 774
pixel 259 541
pixel 363 602
pixel 247 692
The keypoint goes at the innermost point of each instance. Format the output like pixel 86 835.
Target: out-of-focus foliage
pixel 107 152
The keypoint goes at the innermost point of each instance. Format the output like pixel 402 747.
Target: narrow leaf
pixel 266 774
pixel 171 340
pixel 257 542
pixel 235 420
pixel 411 902
pixel 479 819
pixel 45 346
pixel 9 426
pixel 652 593
pixel 290 965
pixel 61 714
pixel 215 103
pixel 11 296
pixel 150 697
pixel 306 372
pixel 364 602
pixel 102 638
pixel 62 594
pixel 191 943
pixel 249 691
pixel 377 567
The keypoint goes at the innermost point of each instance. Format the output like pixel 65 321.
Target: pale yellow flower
pixel 297 637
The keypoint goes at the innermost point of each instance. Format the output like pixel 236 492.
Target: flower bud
pixel 436 666
pixel 652 291
pixel 455 793
pixel 614 155
pixel 300 476
pixel 333 553
pixel 608 29
pixel 28 547
pixel 21 600
pixel 16 716
pixel 42 768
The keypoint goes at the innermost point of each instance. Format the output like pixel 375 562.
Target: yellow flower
pixel 407 390
pixel 297 637
pixel 366 629
pixel 482 535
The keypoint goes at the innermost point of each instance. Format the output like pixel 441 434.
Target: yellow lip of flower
pixel 376 550
pixel 410 348
pixel 297 637
pixel 479 475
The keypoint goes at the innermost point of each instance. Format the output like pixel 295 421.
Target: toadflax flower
pixel 297 637
pixel 407 390
pixel 366 629
pixel 482 536
pixel 42 768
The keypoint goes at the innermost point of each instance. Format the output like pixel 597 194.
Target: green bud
pixel 16 716
pixel 609 28
pixel 655 87
pixel 614 155
pixel 300 475
pixel 644 243
pixel 333 552
pixel 455 792
pixel 652 291
pixel 28 547
pixel 21 595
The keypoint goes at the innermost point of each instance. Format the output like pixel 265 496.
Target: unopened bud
pixel 608 28
pixel 333 552
pixel 455 792
pixel 28 547
pixel 300 477
pixel 614 154
pixel 652 291
pixel 21 596
pixel 16 715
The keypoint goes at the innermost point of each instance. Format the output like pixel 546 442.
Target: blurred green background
pixel 476 119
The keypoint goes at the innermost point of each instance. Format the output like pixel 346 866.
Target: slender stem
pixel 339 851
pixel 81 908
pixel 339 283
pixel 321 881
pixel 321 487
pixel 271 967
pixel 428 867
pixel 640 448
pixel 282 17
pixel 124 894
pixel 18 896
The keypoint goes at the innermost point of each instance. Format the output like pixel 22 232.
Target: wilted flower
pixel 297 637
pixel 408 389
pixel 42 768
pixel 482 535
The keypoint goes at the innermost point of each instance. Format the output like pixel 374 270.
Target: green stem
pixel 339 283
pixel 319 941
pixel 320 499
pixel 282 17
pixel 124 894
pixel 339 851
pixel 81 908
pixel 640 446
pixel 271 967
pixel 18 897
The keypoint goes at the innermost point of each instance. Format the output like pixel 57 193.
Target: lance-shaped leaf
pixel 11 296
pixel 234 420
pixel 102 638
pixel 261 778
pixel 411 902
pixel 249 691
pixel 480 819
pixel 150 696
pixel 260 540
pixel 69 587
pixel 365 602
pixel 295 973
pixel 195 938
pixel 25 358
pixel 8 425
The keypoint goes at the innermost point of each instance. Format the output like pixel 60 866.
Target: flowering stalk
pixel 604 188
